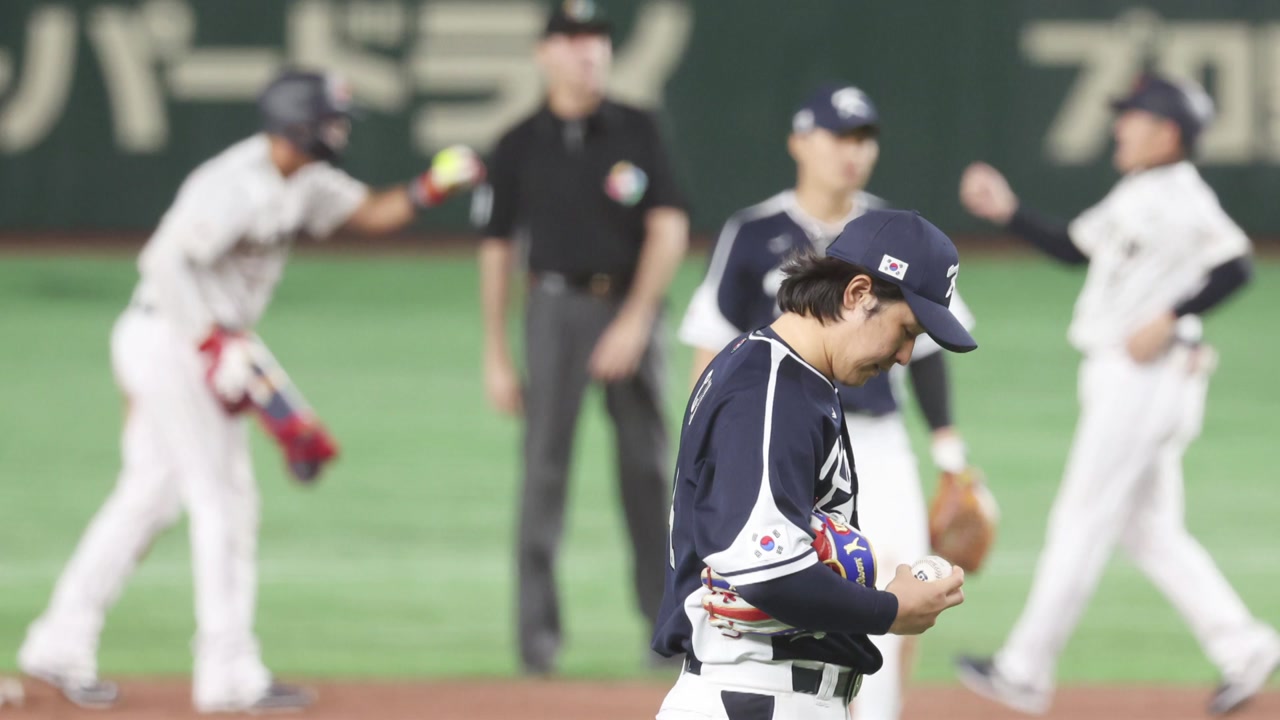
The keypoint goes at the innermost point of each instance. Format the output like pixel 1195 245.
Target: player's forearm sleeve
pixel 932 387
pixel 1051 237
pixel 1224 281
pixel 819 600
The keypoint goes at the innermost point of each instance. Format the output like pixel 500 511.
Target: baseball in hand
pixel 930 568
pixel 456 166
pixel 451 159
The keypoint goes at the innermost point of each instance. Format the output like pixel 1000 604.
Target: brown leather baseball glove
pixel 963 519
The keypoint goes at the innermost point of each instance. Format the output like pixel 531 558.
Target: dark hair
pixel 862 132
pixel 814 286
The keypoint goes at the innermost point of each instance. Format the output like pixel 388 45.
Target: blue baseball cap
pixel 1183 102
pixel 901 247
pixel 838 108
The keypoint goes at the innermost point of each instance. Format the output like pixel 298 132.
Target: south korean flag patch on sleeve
pixel 893 267
pixel 770 543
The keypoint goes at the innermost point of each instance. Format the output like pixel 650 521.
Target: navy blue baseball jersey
pixel 741 286
pixel 763 443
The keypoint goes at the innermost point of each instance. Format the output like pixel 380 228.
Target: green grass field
pixel 400 563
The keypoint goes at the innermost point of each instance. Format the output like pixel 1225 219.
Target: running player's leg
pixel 1158 541
pixel 556 355
pixel 64 640
pixel 246 512
pixel 891 511
pixel 1125 411
pixel 243 501
pixel 206 446
pixel 636 405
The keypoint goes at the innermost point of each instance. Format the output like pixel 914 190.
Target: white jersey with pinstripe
pixel 1151 243
pixel 221 248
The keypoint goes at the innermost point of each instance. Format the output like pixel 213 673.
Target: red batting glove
pixel 230 369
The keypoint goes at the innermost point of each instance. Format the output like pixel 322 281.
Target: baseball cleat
pixel 277 698
pixel 981 676
pixel 90 693
pixel 11 692
pixel 1234 694
pixel 280 698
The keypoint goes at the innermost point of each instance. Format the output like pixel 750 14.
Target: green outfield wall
pixel 106 104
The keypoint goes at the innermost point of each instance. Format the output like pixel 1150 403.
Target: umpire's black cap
pixel 1183 102
pixel 577 17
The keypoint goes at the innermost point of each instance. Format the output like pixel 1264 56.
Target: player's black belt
pixel 803 680
pixel 606 285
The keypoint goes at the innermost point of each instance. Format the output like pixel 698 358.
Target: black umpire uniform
pixel 574 195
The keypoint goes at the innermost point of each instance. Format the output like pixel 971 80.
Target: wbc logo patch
pixel 893 267
pixel 626 183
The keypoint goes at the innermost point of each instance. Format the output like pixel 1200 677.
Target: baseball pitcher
pixel 765 446
pixel 1160 252
pixel 835 144
pixel 191 370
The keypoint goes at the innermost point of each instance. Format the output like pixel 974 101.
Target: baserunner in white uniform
pixel 210 269
pixel 1160 251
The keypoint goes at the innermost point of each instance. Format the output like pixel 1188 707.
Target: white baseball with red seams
pixel 930 568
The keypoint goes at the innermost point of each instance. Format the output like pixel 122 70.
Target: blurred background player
pixel 585 186
pixel 764 444
pixel 834 142
pixel 1161 252
pixel 209 271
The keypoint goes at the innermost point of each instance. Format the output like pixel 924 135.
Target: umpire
pixel 584 189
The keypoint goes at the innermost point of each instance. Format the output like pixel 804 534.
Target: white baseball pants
pixel 1123 484
pixel 749 690
pixel 180 451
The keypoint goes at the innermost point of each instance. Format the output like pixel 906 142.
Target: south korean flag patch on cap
pixel 893 267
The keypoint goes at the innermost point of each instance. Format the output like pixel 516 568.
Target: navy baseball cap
pixel 901 247
pixel 838 108
pixel 1181 101
pixel 577 17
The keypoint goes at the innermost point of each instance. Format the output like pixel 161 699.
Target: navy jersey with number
pixel 763 442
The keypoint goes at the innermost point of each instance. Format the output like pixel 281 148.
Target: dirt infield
pixel 562 700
